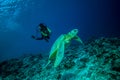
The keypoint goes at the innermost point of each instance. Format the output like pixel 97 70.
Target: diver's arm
pixel 36 34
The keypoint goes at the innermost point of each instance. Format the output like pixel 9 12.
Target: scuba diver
pixel 45 32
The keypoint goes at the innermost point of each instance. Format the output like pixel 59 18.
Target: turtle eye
pixel 75 30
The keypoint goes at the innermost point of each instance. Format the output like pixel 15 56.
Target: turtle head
pixel 73 33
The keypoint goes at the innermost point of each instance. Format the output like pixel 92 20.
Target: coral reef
pixel 98 59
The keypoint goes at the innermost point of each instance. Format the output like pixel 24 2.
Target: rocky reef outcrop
pixel 98 59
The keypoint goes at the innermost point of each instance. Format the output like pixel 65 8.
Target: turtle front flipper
pixel 55 47
pixel 77 38
pixel 60 54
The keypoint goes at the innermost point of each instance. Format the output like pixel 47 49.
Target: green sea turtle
pixel 57 50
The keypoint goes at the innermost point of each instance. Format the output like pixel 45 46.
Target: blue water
pixel 19 18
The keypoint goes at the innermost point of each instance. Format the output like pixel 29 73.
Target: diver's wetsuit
pixel 45 33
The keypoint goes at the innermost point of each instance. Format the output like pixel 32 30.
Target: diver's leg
pixel 46 39
pixel 39 38
pixel 33 36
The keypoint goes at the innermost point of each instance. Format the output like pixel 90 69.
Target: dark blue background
pixel 98 18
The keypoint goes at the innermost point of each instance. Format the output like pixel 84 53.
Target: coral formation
pixel 98 59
